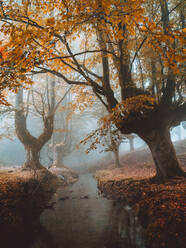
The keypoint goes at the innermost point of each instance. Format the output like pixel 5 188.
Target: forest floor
pixel 160 206
pixel 24 194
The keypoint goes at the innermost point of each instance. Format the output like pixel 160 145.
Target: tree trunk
pixel 32 157
pixel 58 161
pixel 163 153
pixel 32 144
pixel 116 158
pixel 131 143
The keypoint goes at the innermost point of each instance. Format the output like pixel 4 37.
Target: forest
pixel 92 124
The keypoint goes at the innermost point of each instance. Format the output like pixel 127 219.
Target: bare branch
pixel 35 105
pixel 57 105
pixel 145 38
pixel 60 75
pixel 91 73
pixel 27 104
pixel 47 94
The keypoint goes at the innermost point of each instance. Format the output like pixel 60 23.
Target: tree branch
pixel 178 115
pixel 57 105
pixel 145 38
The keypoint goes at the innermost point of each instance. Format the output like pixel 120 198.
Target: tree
pixel 46 110
pixel 107 137
pixel 113 144
pixel 111 34
pixel 3 84
pixel 130 138
pixel 62 136
pixel 184 125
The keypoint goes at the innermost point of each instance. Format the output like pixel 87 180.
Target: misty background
pixel 12 151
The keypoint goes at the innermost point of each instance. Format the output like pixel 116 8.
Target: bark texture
pixel 163 153
pixel 32 157
pixel 32 145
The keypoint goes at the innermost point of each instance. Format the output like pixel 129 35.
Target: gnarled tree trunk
pixel 32 145
pixel 32 156
pixel 163 153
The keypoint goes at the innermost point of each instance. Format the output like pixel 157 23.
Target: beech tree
pixel 4 84
pixel 62 140
pixel 45 108
pixel 108 139
pixel 69 39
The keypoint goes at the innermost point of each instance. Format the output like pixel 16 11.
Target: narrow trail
pixel 80 218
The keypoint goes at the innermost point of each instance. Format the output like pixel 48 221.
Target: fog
pixel 12 151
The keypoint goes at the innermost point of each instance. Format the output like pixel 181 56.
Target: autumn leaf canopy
pixel 112 48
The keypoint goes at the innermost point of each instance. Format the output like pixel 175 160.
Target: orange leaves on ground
pixel 160 207
pixel 23 192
